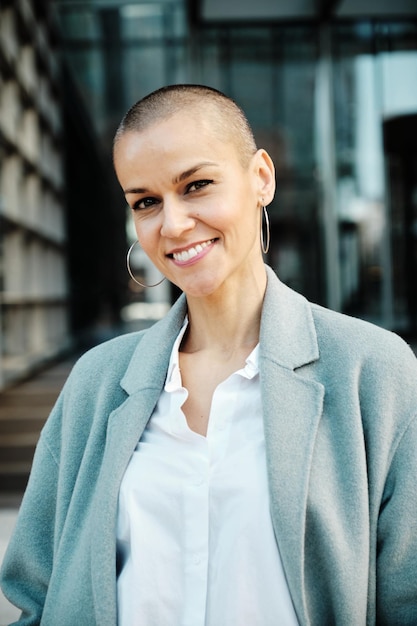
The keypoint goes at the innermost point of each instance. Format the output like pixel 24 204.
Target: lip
pixel 192 253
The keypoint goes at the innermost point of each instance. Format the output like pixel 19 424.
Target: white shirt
pixel 194 533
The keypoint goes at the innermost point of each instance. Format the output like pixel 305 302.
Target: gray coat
pixel 340 416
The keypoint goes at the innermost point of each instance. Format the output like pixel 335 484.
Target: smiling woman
pixel 197 196
pixel 249 459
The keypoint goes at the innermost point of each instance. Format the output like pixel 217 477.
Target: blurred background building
pixel 60 231
pixel 330 88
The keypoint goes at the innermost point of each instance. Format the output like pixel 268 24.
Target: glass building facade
pixel 333 98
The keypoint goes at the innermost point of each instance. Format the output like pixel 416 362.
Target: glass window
pixel 142 21
pixel 80 24
pixel 375 83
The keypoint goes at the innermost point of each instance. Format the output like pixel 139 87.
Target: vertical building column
pixel 326 158
pixel 113 60
pixel 387 295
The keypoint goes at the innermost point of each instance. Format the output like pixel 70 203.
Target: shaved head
pixel 227 119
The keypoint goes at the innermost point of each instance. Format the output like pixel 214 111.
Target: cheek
pixel 146 234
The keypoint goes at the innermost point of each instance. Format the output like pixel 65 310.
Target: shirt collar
pixel 173 379
pixel 252 364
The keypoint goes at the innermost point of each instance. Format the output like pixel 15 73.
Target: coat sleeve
pixel 396 577
pixel 29 557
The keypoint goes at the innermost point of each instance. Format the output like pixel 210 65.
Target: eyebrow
pixel 177 179
pixel 192 170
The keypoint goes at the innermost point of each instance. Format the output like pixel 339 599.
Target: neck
pixel 228 321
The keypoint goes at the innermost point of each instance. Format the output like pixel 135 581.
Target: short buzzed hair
pixel 228 119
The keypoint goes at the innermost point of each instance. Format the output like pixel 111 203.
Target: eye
pixel 144 203
pixel 198 184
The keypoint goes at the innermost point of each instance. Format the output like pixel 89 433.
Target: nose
pixel 176 219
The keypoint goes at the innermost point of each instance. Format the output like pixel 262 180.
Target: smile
pixel 186 255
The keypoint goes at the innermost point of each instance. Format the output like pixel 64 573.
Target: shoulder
pixel 92 391
pixel 358 338
pixel 97 374
pixel 362 354
pixel 368 371
pixel 116 351
pixel 109 358
pixel 333 342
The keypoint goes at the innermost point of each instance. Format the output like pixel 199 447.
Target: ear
pixel 265 175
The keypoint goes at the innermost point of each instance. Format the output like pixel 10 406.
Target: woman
pixel 248 460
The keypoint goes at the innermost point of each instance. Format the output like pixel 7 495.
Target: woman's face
pixel 196 208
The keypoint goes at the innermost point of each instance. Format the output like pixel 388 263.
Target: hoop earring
pixel 265 246
pixel 131 273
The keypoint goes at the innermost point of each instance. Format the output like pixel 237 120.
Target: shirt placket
pixel 196 538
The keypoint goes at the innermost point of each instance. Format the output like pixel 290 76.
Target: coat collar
pixel 148 366
pixel 288 336
pixel 292 408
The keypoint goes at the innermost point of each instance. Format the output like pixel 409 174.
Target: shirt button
pixel 199 481
pixel 197 560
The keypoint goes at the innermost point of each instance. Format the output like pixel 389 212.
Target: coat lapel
pixel 143 381
pixel 292 406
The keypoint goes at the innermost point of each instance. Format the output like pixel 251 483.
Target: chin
pixel 200 288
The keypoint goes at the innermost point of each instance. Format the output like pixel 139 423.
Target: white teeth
pixel 186 255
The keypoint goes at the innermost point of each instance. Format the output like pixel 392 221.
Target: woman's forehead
pixel 177 139
pixel 142 164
